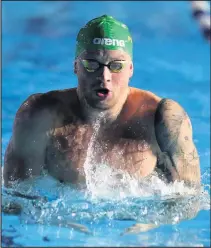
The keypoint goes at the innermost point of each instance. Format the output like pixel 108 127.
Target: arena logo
pixel 108 42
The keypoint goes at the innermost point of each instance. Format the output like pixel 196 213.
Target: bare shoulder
pixel 145 95
pixel 45 104
pixel 172 123
pixel 170 111
pixel 48 99
pixel 143 102
pixel 39 114
pixel 170 105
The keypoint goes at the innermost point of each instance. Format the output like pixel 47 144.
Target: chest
pixel 129 148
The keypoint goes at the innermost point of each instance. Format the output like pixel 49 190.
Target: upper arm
pixel 25 153
pixel 174 136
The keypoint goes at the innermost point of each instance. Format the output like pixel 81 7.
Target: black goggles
pixel 92 65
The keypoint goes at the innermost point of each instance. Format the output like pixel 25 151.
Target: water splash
pixel 89 166
pixel 112 199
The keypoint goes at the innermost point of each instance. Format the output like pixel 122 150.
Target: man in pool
pixel 129 129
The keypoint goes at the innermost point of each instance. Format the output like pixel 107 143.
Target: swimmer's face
pixel 103 86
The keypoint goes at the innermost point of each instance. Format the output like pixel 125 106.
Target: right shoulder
pixel 37 107
pixel 34 104
pixel 42 106
pixel 48 101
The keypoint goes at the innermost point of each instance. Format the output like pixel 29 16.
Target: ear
pixel 75 67
pixel 131 69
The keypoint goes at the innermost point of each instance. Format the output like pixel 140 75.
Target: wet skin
pixel 139 132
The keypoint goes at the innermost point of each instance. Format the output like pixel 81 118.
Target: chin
pixel 101 105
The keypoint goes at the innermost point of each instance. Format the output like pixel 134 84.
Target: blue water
pixel 171 59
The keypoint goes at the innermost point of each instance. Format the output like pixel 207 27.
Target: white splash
pixel 89 161
pixel 104 182
pixel 107 183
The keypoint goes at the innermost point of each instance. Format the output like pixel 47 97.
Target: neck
pixel 106 115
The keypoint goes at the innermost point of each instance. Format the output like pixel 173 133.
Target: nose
pixel 105 76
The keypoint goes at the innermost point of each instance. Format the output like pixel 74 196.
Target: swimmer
pixel 139 133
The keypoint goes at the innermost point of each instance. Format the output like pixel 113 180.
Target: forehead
pixel 105 55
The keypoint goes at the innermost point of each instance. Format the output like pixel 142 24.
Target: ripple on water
pixel 150 201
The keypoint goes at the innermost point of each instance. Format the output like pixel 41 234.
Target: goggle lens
pixel 93 65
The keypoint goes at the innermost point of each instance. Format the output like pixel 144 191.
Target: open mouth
pixel 102 92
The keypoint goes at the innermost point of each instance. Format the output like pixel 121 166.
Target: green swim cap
pixel 104 32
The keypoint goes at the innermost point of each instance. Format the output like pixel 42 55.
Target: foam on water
pixel 109 193
pixel 109 196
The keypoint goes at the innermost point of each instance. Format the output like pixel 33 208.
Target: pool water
pixel 172 60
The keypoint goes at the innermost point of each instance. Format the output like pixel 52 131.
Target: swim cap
pixel 104 32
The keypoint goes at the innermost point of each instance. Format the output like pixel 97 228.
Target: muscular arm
pixel 180 159
pixel 174 135
pixel 25 153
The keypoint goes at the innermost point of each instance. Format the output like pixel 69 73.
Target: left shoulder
pixel 144 94
pixel 143 99
pixel 169 110
pixel 141 104
pixel 168 103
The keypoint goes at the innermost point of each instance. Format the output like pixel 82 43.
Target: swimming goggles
pixel 92 65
